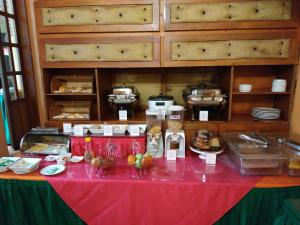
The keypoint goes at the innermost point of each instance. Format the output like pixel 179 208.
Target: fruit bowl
pixel 102 165
pixel 139 164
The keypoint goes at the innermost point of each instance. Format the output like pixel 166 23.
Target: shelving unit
pixel 162 46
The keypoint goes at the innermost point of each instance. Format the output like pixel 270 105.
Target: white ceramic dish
pixel 245 87
pixel 142 127
pixel 52 170
pixel 279 89
pixel 5 162
pixel 26 172
pixel 202 154
pixel 279 83
pixel 76 159
pixel 25 165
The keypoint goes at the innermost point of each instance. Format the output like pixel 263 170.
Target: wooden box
pixel 79 110
pixel 76 84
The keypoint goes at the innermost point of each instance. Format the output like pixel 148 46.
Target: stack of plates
pixel 266 113
pixel 25 165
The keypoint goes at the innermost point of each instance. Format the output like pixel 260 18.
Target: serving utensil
pixel 255 140
pixel 288 143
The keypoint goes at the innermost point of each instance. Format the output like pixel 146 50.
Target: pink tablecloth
pixel 182 192
pixel 124 145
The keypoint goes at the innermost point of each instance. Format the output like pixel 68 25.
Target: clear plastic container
pixel 293 164
pixel 253 159
pixel 154 121
pixel 175 118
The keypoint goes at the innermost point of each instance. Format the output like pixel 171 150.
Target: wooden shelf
pixel 261 93
pixel 247 118
pixel 72 94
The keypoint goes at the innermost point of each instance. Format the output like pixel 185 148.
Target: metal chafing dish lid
pixel 161 97
pixel 123 89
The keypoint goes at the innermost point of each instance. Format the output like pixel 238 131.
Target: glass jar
pixel 175 118
pixel 88 152
pixel 154 120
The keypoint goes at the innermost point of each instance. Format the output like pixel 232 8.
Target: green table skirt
pixel 36 202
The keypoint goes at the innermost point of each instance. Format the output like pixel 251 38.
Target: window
pixel 11 67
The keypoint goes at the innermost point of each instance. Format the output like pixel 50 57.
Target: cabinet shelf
pixel 261 93
pixel 72 94
pixel 247 118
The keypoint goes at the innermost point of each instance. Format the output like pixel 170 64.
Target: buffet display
pixel 206 98
pixel 123 98
pixel 250 153
pixel 102 145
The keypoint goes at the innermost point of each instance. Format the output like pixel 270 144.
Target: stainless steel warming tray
pixel 39 141
pixel 201 97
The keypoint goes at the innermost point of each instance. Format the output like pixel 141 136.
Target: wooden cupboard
pixel 163 46
pixel 75 16
pixel 228 14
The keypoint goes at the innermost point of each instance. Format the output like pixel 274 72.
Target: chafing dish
pixel 203 97
pixel 45 141
pixel 123 98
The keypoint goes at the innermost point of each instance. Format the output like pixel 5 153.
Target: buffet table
pixel 185 192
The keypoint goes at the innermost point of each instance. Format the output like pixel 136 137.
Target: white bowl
pixel 245 87
pixel 279 83
pixel 279 89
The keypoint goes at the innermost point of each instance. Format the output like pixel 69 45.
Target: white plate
pixel 7 161
pixel 26 171
pixel 76 159
pixel 52 170
pixel 25 164
pixel 205 152
pixel 50 158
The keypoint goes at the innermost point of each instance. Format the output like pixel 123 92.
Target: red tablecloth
pixel 124 145
pixel 183 192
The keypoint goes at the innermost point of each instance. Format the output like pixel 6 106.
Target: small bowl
pixel 61 161
pixel 279 83
pixel 279 89
pixel 245 87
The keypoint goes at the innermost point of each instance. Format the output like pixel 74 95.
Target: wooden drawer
pixel 229 14
pixel 96 16
pixel 230 48
pixel 99 50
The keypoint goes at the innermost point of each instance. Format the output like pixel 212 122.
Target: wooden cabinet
pixel 255 47
pixel 162 46
pixel 96 16
pixel 220 14
pixel 99 50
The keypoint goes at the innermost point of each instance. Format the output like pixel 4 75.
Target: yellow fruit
pixel 131 160
pixel 87 139
pixel 95 162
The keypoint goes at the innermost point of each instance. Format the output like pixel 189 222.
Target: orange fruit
pixel 131 160
pixel 95 162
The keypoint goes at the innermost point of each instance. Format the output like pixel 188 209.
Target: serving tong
pixel 256 139
pixel 288 143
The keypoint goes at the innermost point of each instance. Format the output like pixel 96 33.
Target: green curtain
pixel 33 203
pixel 259 206
pixel 290 213
pixel 5 119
